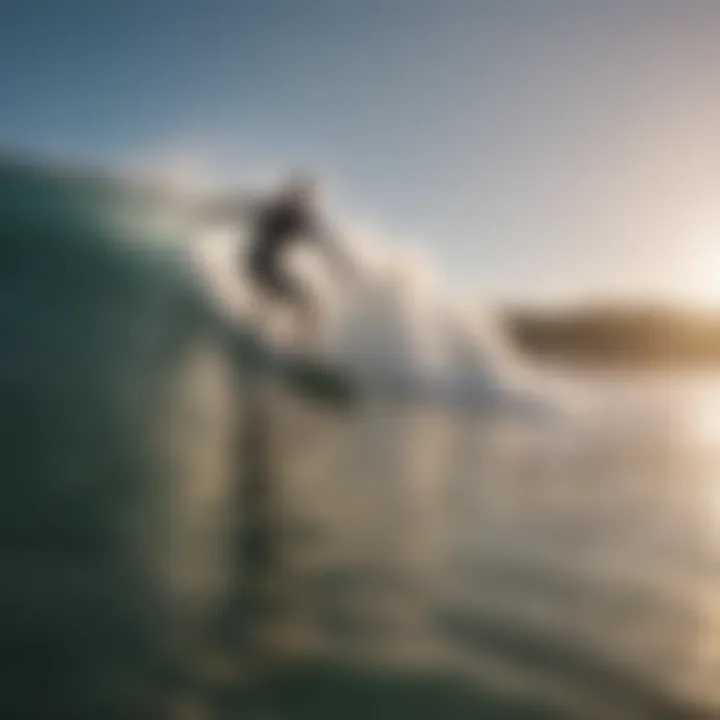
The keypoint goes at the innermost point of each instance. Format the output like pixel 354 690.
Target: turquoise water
pixel 183 537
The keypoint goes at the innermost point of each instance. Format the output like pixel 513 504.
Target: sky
pixel 534 149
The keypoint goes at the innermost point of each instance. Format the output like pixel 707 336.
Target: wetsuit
pixel 277 227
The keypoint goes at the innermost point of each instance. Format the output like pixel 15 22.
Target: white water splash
pixel 393 324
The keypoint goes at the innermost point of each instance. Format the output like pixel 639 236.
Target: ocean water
pixel 186 536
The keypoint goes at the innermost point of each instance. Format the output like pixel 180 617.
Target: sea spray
pixel 394 325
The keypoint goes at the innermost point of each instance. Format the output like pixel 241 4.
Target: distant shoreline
pixel 619 338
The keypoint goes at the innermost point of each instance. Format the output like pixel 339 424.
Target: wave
pixel 121 508
pixel 396 328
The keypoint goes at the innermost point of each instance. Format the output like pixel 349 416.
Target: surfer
pixel 278 225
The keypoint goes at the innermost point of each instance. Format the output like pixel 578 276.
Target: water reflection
pixel 571 572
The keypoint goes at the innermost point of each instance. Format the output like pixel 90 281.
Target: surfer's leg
pixel 303 311
pixel 281 294
pixel 268 295
pixel 307 320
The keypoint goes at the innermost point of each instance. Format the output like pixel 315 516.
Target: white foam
pixel 393 324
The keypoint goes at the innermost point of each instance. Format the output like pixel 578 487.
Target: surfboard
pixel 310 376
pixel 319 381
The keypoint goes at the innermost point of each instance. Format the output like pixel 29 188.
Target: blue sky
pixel 536 148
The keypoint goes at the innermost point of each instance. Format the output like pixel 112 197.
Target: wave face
pixel 181 537
pixel 108 371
